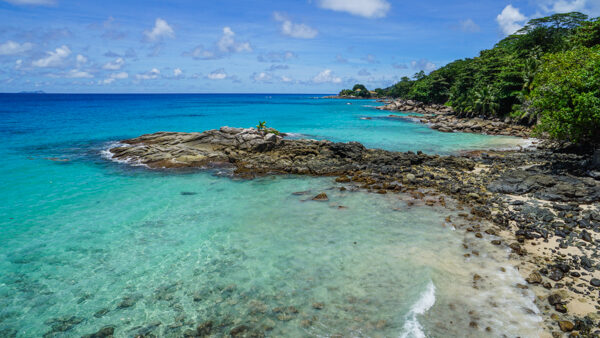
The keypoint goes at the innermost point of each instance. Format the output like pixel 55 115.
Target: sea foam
pixel 412 327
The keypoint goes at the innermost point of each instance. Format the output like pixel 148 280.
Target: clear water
pixel 79 237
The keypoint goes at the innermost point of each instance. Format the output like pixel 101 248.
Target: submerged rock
pixel 204 329
pixel 318 305
pixel 107 331
pixel 321 197
pixel 128 301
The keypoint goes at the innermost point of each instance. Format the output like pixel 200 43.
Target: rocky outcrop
pixel 250 151
pixel 540 174
pixel 539 198
pixel 445 119
pixel 416 107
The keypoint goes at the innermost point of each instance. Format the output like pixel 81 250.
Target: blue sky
pixel 226 46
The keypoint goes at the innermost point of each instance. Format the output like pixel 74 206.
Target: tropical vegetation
pixel 359 91
pixel 547 74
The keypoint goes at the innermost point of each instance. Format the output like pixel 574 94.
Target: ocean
pixel 86 242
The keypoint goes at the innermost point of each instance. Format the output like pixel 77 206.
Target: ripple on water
pixel 250 255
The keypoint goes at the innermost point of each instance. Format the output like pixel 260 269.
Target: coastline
pixel 445 119
pixel 541 257
pixel 527 199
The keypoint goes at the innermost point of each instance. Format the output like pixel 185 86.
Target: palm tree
pixel 529 70
pixel 262 125
pixel 486 102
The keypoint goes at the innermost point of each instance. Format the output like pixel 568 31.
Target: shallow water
pixel 87 243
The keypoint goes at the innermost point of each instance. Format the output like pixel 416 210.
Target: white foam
pixel 523 144
pixel 412 327
pixel 294 135
pixel 105 153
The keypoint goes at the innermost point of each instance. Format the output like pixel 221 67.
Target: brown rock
pixel 566 326
pixel 534 278
pixel 321 197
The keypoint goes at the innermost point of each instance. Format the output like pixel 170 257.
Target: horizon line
pixel 157 93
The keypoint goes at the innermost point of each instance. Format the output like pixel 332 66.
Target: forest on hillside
pixel 547 74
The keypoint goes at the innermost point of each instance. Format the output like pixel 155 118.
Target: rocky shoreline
pixel 540 204
pixel 445 119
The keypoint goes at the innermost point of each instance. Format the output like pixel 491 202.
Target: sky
pixel 247 46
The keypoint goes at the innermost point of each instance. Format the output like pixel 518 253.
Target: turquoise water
pixel 87 243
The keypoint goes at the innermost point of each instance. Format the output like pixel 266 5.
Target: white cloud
pixel 113 77
pixel 177 72
pixel 326 76
pixel 262 77
pixel 161 30
pixel 54 58
pixel 510 20
pixel 564 6
pixel 30 2
pixel 152 74
pixel 18 64
pixel 286 79
pixel 294 30
pixel 12 48
pixel 119 76
pixel 469 26
pixel 278 67
pixel 423 64
pixel 202 54
pixel 364 8
pixel 218 74
pixel 276 56
pixel 81 59
pixel 114 65
pixel 399 65
pixel 78 74
pixel 226 45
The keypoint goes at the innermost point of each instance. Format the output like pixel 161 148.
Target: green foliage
pixel 357 91
pixel 486 101
pixel 523 77
pixel 400 89
pixel 567 95
pixel 588 34
pixel 262 126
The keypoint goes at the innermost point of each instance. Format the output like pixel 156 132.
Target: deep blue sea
pixel 87 243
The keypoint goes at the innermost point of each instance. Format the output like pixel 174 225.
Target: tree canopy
pixel 547 74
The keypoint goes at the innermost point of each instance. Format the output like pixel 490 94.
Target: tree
pixel 401 88
pixel 588 35
pixel 557 21
pixel 346 92
pixel 566 93
pixel 486 101
pixel 522 76
pixel 360 90
pixel 420 75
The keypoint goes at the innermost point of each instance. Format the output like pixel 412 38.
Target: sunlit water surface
pixel 87 243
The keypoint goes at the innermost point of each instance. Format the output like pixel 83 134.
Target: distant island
pixel 32 92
